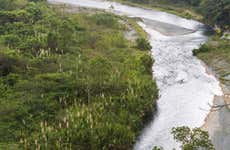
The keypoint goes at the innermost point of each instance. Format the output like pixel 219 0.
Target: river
pixel 185 86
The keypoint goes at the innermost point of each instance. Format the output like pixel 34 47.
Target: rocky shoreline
pixel 217 122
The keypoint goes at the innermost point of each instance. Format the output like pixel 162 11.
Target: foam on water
pixel 185 86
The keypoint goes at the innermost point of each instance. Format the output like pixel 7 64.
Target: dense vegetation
pixel 70 81
pixel 215 12
pixel 74 82
pixel 191 139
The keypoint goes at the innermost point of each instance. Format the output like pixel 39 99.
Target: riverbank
pixel 217 122
pixel 182 11
pixel 71 80
pixel 196 93
pixel 215 53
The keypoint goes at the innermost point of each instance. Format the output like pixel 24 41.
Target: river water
pixel 185 86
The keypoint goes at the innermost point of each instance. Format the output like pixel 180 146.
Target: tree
pixel 217 12
pixel 192 139
pixel 52 40
pixel 66 31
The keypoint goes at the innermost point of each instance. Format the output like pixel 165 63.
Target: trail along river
pixel 185 86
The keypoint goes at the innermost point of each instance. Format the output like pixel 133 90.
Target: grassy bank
pixel 216 54
pixel 70 81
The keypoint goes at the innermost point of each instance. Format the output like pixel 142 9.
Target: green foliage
pixel 66 31
pixel 35 11
pixel 192 139
pixel 143 44
pixel 11 40
pixel 217 12
pixel 12 4
pixel 215 46
pixel 52 40
pixel 9 64
pixel 204 48
pixel 70 80
pixel 216 50
pixel 107 20
pixel 157 148
pixel 147 63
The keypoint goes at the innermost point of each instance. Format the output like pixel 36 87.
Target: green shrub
pixel 33 45
pixel 105 20
pixel 192 138
pixel 11 40
pixel 52 40
pixel 12 4
pixel 34 11
pixel 204 48
pixel 143 44
pixel 147 62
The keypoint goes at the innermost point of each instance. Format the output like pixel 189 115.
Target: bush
pixel 12 4
pixel 192 139
pixel 143 44
pixel 204 48
pixel 52 40
pixel 105 20
pixel 8 65
pixel 11 40
pixel 33 45
pixel 147 62
pixel 34 11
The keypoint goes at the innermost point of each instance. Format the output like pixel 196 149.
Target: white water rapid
pixel 185 86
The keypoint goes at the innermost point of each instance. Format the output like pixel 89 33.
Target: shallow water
pixel 185 87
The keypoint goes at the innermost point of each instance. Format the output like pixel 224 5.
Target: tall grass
pixel 70 81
